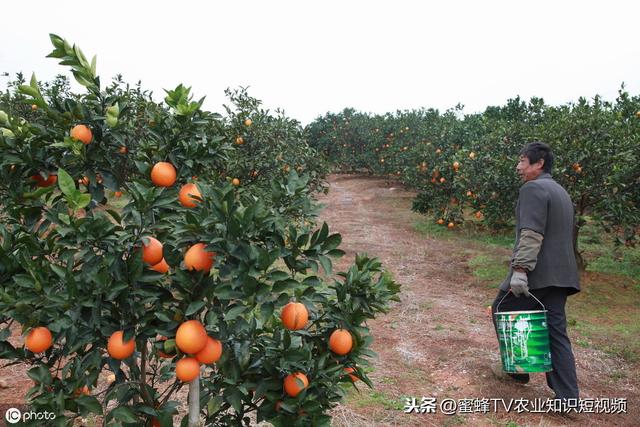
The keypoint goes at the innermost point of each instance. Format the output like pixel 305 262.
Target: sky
pixel 313 57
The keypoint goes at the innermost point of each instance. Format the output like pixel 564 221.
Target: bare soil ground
pixel 439 342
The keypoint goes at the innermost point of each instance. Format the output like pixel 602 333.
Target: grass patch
pixel 368 398
pixel 488 268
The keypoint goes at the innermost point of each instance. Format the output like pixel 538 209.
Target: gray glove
pixel 520 284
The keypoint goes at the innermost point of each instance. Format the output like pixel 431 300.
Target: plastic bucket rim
pixel 521 312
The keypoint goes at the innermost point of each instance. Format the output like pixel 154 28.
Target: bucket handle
pixel 505 295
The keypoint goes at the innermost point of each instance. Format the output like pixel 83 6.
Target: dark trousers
pixel 562 379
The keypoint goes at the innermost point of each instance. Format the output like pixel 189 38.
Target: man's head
pixel 535 158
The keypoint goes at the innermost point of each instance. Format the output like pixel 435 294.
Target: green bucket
pixel 524 340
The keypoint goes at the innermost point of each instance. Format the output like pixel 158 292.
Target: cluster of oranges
pixel 295 316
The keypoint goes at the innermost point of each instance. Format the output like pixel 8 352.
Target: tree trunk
pixel 582 265
pixel 194 402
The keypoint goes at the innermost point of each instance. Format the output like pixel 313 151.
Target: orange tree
pixel 103 261
pixel 463 166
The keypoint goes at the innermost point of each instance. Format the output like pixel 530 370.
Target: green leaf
pixel 89 405
pixel 65 182
pixel 194 307
pixel 234 312
pixel 82 199
pixel 124 414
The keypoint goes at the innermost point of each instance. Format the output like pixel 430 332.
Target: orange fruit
pixel 294 316
pixel 117 348
pixel 81 133
pixel 442 180
pixel 34 107
pixel 118 194
pixel 123 150
pixel 248 122
pixel 292 383
pixel 235 182
pixel 478 214
pixel 456 165
pixel 438 151
pixel 85 390
pixel 239 140
pixel 441 221
pixel 84 181
pixel 151 251
pixel 469 193
pixel 163 174
pixel 161 267
pixel 199 259
pixel 187 369
pixel 472 155
pixel 38 339
pixel 41 182
pixel 191 337
pixel 162 339
pixel 341 341
pixel 211 352
pixel 186 195
pixel 451 225
pixel 349 371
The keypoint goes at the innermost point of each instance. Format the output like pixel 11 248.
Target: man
pixel 543 263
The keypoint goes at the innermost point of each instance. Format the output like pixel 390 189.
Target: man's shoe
pixel 496 368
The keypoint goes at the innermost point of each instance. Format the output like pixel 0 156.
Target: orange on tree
pixel 451 225
pixel 239 140
pixel 84 181
pixel 41 182
pixel 152 250
pixel 34 107
pixel 163 174
pixel 84 390
pixel 38 339
pixel 469 193
pixel 211 352
pixel 186 195
pixel 479 215
pixel 294 316
pixel 198 258
pixel 187 369
pixel 341 341
pixel 161 267
pixel 81 133
pixel 441 221
pixel 350 371
pixel 163 339
pixel 248 122
pixel 472 155
pixel 123 150
pixel 118 194
pixel 191 337
pixel 442 180
pixel 117 348
pixel 235 182
pixel 295 383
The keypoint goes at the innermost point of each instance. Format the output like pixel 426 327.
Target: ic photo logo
pixel 13 415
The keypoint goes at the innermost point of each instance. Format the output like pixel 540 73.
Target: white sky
pixel 310 57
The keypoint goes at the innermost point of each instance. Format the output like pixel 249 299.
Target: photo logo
pixel 13 415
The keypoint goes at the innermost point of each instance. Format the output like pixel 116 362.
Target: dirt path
pixel 439 341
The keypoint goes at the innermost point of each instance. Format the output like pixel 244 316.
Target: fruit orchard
pixel 158 243
pixel 463 166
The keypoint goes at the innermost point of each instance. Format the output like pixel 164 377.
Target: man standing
pixel 543 263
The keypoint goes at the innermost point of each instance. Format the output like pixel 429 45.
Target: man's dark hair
pixel 537 150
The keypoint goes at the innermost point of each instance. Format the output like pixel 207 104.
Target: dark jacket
pixel 546 208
